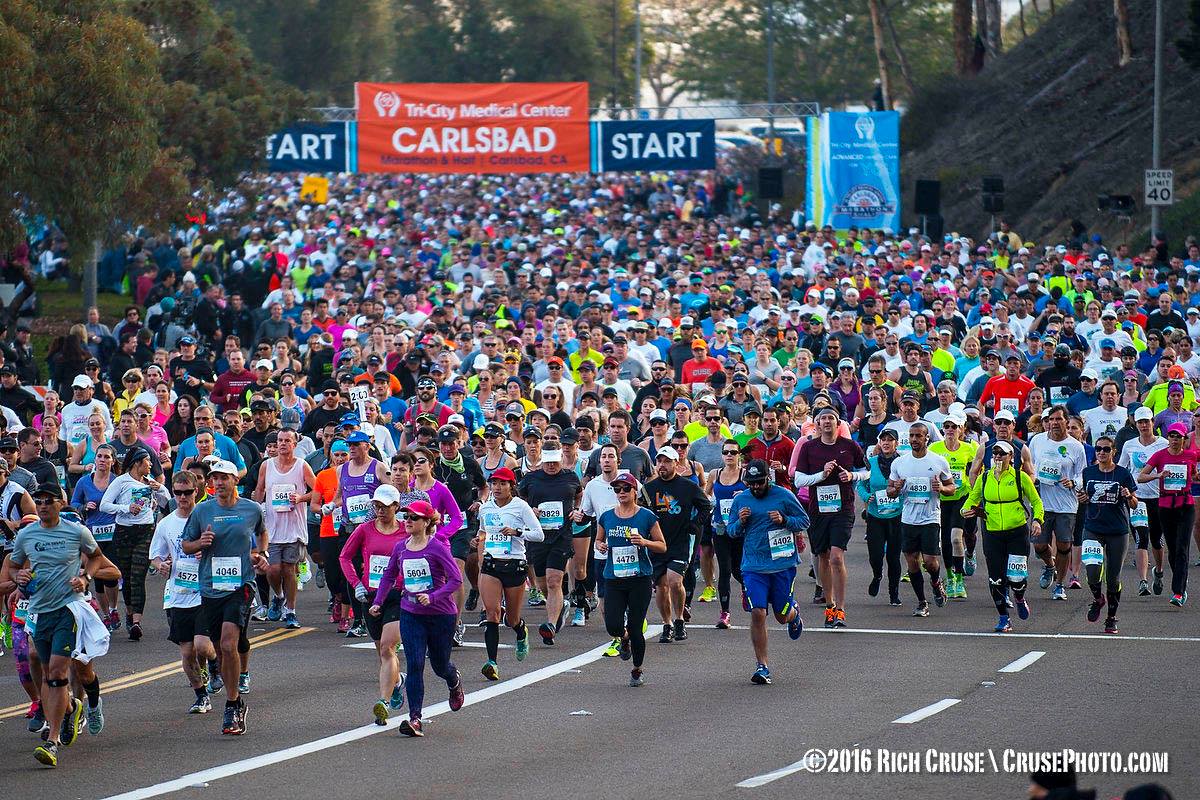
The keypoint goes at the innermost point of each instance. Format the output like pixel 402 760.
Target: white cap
pixel 221 465
pixel 83 382
pixel 459 418
pixel 665 323
pixel 1108 313
pixel 387 494
pixel 552 456
pixel 987 322
pixel 480 363
pixel 657 413
pixel 1143 413
pixel 686 321
pixel 667 452
pixel 263 363
pixel 1004 413
pixel 1003 445
pixel 1090 374
pixel 958 419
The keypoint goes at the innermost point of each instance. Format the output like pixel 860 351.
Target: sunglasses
pixel 712 419
pixel 409 517
pixel 998 453
pixel 788 378
pixel 556 366
pixel 287 383
pixel 416 461
pixel 43 501
pixel 729 452
pixel 184 492
pixel 622 488
pixel 1003 422
pixel 1103 449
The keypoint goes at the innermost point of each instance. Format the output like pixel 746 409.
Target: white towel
pixel 91 637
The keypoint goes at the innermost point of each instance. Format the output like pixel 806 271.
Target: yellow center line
pixel 164 670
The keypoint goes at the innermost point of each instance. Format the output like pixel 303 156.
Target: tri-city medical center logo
pixel 387 104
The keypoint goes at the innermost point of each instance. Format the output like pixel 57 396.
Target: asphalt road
pixel 698 727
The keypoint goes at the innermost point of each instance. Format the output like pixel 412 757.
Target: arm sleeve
pixel 159 548
pixel 447 505
pixel 108 503
pixel 531 530
pixel 349 550
pixel 388 580
pixel 450 571
pixel 808 479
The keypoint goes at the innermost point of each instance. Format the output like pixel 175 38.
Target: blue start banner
pixel 650 145
pixel 313 147
pixel 854 170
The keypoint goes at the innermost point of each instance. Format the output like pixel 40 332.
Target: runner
pixel 598 497
pixel 554 493
pixel 1059 461
pixel 371 546
pixel 771 522
pixel 679 503
pixel 358 478
pixel 285 484
pixel 506 523
pixel 1144 520
pixel 724 485
pixel 883 518
pixel 55 560
pixel 325 489
pixel 921 478
pixel 626 535
pixel 230 536
pixel 1175 470
pixel 181 597
pixel 1002 492
pixel 959 455
pixel 422 571
pixel 88 494
pixel 463 477
pixel 1108 492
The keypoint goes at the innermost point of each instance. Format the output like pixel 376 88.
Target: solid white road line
pixel 1023 662
pixel 764 779
pixel 1096 637
pixel 926 712
pixel 353 735
pixel 371 646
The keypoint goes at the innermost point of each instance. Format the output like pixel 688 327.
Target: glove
pixel 360 593
pixel 327 509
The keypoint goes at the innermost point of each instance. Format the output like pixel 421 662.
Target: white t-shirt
pixel 1099 422
pixel 598 497
pixel 922 502
pixel 185 569
pixel 516 514
pixel 1134 456
pixel 75 420
pixel 1053 461
pixel 901 428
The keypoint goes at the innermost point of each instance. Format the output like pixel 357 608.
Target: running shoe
pixel 491 671
pixel 47 753
pixel 723 621
pixel 687 613
pixel 344 624
pixel 795 626
pixel 290 621
pixel 482 619
pixel 635 677
pixel 829 616
pixel 578 619
pixel 962 588
pixel 460 630
pixel 939 593
pixel 562 617
pixel 1023 608
pixel 380 711
pixel 358 631
pixel 623 650
pixel 1144 589
pixel 229 723
pixel 411 727
pixel 472 600
pixel 592 603
pixel 839 620
pixel 819 597
pixel 666 635
pixel 1177 600
pixel 1059 593
pixel 547 631
pixel 1196 563
pixel 72 724
pixel 36 717
pixel 320 577
pixel 1003 625
pixel 708 595
pixel 215 682
pixel 242 712
pixel 680 630
pixel 275 613
pixel 969 565
pixel 244 683
pixel 1094 609
pixel 905 579
pixel 259 614
pixel 1110 626
pixel 873 586
pixel 135 632
pixel 922 610
pixel 895 601
pixel 614 649
pixel 745 601
pixel 1047 576
pixel 457 696
pixel 1074 582
pixel 523 646
pixel 396 701
pixel 1158 581
pixel 202 705
pixel 761 676
pixel 95 717
pixel 536 598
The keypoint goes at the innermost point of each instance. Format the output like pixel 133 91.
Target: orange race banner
pixel 472 127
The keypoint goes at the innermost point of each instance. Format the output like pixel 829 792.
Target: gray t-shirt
pixel 53 555
pixel 235 529
pixel 707 453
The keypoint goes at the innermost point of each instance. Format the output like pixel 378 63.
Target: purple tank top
pixel 357 491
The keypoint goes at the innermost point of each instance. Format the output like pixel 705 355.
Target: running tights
pixel 1110 570
pixel 133 559
pixel 625 604
pixel 729 563
pixel 1177 530
pixel 883 541
pixel 997 547
pixel 422 633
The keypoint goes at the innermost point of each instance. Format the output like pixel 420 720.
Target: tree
pixel 962 37
pixel 1189 46
pixel 885 80
pixel 1124 43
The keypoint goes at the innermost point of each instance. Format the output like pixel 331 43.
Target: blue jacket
pixel 867 489
pixel 756 546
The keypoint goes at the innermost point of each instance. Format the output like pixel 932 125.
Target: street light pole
pixel 771 74
pixel 1156 135
pixel 637 55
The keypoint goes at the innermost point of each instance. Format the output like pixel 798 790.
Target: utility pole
pixel 771 74
pixel 637 55
pixel 613 110
pixel 1156 135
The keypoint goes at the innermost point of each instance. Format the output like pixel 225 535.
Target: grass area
pixel 59 308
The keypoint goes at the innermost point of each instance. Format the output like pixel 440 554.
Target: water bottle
pixel 28 590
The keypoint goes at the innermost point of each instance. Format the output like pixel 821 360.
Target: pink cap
pixel 1177 427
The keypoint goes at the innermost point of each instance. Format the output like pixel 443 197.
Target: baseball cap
pixel 756 470
pixel 263 363
pixel 387 494
pixel 1143 413
pixel 349 419
pixel 552 456
pixel 1089 375
pixel 888 433
pixel 1177 427
pixel 48 488
pixel 669 453
pixel 422 508
pixel 357 437
pixel 223 466
pixel 958 419
pixel 658 414
pixel 1107 343
pixel 1004 413
pixel 447 434
pixel 1000 444
pixel 82 382
pixel 910 396
pixel 624 476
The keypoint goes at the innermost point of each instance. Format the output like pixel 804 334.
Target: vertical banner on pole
pixel 854 170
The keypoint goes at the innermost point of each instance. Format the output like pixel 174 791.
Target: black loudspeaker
pixel 935 227
pixel 770 183
pixel 993 184
pixel 927 198
pixel 993 203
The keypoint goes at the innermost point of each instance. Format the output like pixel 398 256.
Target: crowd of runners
pixel 519 404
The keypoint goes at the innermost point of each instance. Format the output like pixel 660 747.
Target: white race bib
pixel 829 500
pixel 104 533
pixel 358 508
pixel 918 490
pixel 1050 471
pixel 1174 477
pixel 1058 395
pixel 783 545
pixel 187 574
pixel 726 504
pixel 336 518
pixel 550 514
pixel 1018 568
pixel 281 497
pixel 226 573
pixel 375 567
pixel 885 504
pixel 625 561
pixel 1140 516
pixel 21 614
pixel 1092 553
pixel 417 576
pixel 1010 404
pixel 496 544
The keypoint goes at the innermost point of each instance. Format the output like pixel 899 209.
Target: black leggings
pixel 133 559
pixel 109 549
pixel 1114 554
pixel 335 581
pixel 883 541
pixel 952 518
pixel 997 547
pixel 632 596
pixel 729 562
pixel 1177 530
pixel 1152 536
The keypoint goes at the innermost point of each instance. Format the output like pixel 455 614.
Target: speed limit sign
pixel 1160 187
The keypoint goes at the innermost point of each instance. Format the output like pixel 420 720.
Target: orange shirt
pixel 326 489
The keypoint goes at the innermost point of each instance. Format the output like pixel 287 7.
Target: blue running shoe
pixel 1023 608
pixel 275 612
pixel 523 646
pixel 761 676
pixel 795 626
pixel 396 702
pixel 1003 625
